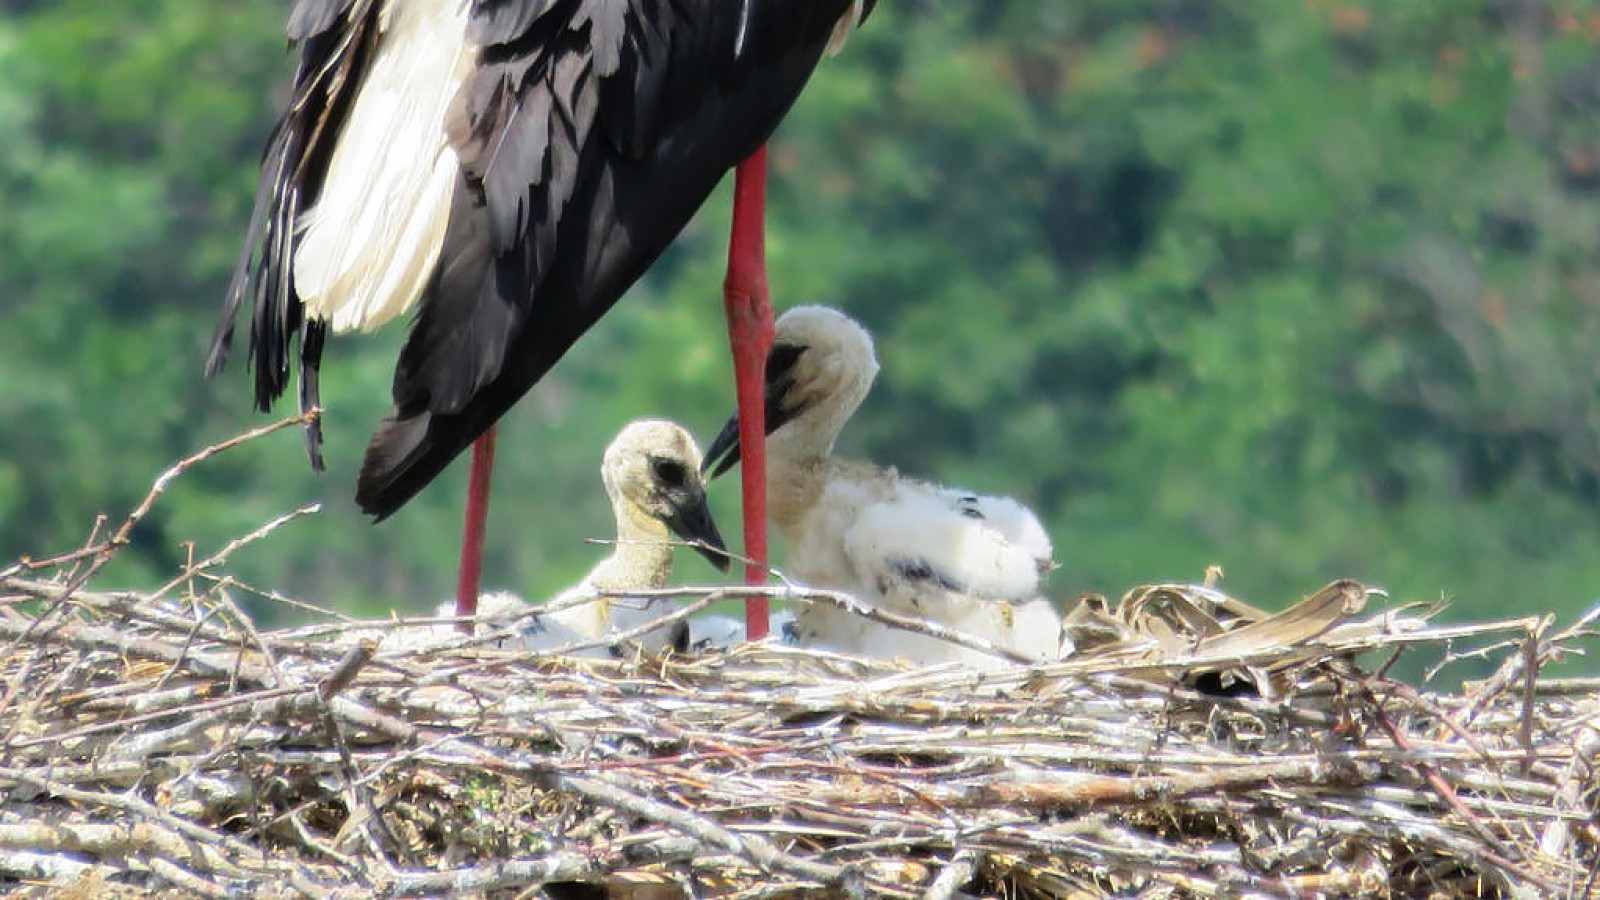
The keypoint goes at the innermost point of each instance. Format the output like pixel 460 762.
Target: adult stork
pixel 507 169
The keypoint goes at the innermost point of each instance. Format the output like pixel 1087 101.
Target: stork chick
pixel 652 475
pixel 963 560
pixel 651 472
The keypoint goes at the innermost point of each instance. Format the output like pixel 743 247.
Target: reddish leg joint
pixel 749 309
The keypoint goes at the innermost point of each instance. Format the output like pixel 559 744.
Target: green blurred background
pixel 1305 289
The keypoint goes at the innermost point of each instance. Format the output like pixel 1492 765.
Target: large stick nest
pixel 1188 746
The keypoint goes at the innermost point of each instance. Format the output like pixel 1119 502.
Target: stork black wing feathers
pixel 589 133
pixel 496 22
pixel 640 107
pixel 313 17
pixel 336 37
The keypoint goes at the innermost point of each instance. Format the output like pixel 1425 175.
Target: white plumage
pixel 592 620
pixel 651 472
pixel 851 20
pixel 715 631
pixel 370 243
pixel 964 560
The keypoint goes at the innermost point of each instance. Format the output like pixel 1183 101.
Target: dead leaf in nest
pixel 1089 626
pixel 1177 616
pixel 1198 622
pixel 1293 627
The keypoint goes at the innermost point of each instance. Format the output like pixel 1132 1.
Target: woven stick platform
pixel 1189 746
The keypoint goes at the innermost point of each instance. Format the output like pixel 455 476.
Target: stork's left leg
pixel 473 533
pixel 748 304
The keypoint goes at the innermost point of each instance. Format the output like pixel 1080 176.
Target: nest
pixel 1187 746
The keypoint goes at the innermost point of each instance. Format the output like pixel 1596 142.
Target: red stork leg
pixel 749 307
pixel 477 526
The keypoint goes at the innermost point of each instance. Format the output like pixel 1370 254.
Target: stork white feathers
pixel 652 475
pixel 369 245
pixel 580 626
pixel 714 631
pixel 964 560
pixel 851 20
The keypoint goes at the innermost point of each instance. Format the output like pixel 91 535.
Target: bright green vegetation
pixel 1306 289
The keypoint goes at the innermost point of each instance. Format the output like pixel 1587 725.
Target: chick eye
pixel 670 472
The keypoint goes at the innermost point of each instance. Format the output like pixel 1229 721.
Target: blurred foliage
pixel 1305 289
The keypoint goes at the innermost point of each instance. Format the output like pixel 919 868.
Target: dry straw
pixel 1188 746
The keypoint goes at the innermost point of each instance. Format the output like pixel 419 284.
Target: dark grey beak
pixel 724 452
pixel 691 520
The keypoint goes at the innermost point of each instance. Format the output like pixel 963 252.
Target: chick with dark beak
pixel 960 559
pixel 681 495
pixel 652 475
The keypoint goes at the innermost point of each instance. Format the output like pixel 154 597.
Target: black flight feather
pixel 589 133
pixel 336 39
pixel 572 231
